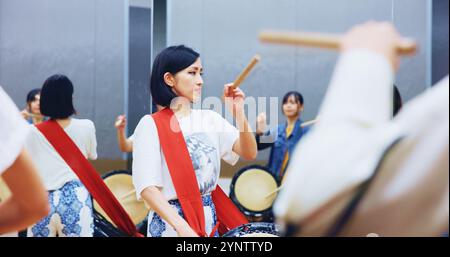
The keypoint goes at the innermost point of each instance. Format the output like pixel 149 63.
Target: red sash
pixel 185 182
pixel 72 155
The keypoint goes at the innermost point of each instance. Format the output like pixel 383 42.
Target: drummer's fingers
pixel 227 89
pixel 238 93
pixel 262 116
pixel 122 118
pixel 120 122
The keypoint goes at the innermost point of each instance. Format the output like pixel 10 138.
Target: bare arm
pixel 29 201
pixel 125 145
pixel 156 200
pixel 245 146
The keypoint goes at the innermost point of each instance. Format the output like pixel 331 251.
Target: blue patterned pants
pixel 157 227
pixel 70 214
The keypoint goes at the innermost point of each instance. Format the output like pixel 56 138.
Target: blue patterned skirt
pixel 157 227
pixel 70 215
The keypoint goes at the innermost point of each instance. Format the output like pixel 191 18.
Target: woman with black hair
pixel 71 212
pixel 176 83
pixel 283 138
pixel 32 112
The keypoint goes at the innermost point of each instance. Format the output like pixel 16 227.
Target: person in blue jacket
pixel 285 136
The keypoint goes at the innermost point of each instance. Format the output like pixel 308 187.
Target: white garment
pixel 13 131
pixel 52 168
pixel 345 147
pixel 131 138
pixel 209 138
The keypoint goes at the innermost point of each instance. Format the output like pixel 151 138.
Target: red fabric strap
pixel 185 182
pixel 181 171
pixel 72 155
pixel 228 214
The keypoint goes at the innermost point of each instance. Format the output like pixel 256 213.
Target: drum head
pixel 256 229
pixel 251 188
pixel 121 185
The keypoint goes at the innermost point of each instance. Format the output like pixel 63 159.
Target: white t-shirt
pixel 53 169
pixel 13 131
pixel 209 138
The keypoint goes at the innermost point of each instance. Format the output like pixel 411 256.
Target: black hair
pixel 31 96
pixel 173 60
pixel 56 97
pixel 298 97
pixel 397 101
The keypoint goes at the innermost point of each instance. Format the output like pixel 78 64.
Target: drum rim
pixel 233 197
pixel 116 172
pixel 98 217
pixel 254 224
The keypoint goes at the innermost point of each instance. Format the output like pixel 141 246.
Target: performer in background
pixel 32 113
pixel 71 212
pixel 285 137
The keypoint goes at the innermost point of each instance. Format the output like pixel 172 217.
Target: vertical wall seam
pixel 94 91
pixel 429 44
pixel 126 62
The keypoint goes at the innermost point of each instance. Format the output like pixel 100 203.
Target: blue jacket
pixel 280 144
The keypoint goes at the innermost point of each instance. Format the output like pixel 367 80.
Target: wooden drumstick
pixel 307 123
pixel 246 71
pixel 128 194
pixel 273 192
pixel 328 41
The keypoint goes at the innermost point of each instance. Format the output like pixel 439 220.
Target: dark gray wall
pixel 159 25
pixel 140 47
pixel 440 40
pixel 83 39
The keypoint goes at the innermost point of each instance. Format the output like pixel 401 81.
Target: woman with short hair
pixel 71 212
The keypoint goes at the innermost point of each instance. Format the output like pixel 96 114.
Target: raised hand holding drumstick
pixel 261 122
pixel 125 144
